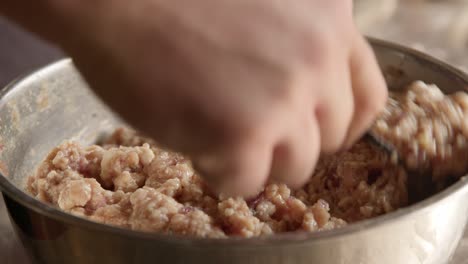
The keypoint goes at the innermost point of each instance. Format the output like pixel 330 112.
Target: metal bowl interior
pixel 54 104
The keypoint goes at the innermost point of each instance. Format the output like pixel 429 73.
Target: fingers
pixel 368 86
pixel 336 107
pixel 295 159
pixel 350 95
pixel 241 169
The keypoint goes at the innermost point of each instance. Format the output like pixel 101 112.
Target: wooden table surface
pixel 21 53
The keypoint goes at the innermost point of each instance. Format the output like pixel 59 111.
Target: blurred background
pixel 436 27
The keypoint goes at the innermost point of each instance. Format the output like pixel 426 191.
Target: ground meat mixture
pixel 358 184
pixel 129 181
pixel 429 130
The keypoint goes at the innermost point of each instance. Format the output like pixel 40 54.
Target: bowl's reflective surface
pixel 52 105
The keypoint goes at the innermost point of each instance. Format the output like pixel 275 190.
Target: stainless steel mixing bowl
pixel 53 104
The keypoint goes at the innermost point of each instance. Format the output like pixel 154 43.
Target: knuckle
pixel 374 103
pixel 331 145
pixel 325 44
pixel 333 133
pixel 333 142
pixel 318 46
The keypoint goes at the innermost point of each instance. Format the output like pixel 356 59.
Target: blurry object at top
pixel 369 12
pixel 436 27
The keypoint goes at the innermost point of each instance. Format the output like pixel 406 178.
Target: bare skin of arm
pixel 250 90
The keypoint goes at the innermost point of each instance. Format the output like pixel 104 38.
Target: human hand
pixel 250 90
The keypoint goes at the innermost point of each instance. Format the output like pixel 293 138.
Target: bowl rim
pixel 9 190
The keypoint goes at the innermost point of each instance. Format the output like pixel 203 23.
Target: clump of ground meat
pixel 428 129
pixel 358 184
pixel 129 181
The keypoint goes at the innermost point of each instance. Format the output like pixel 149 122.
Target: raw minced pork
pixel 129 181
